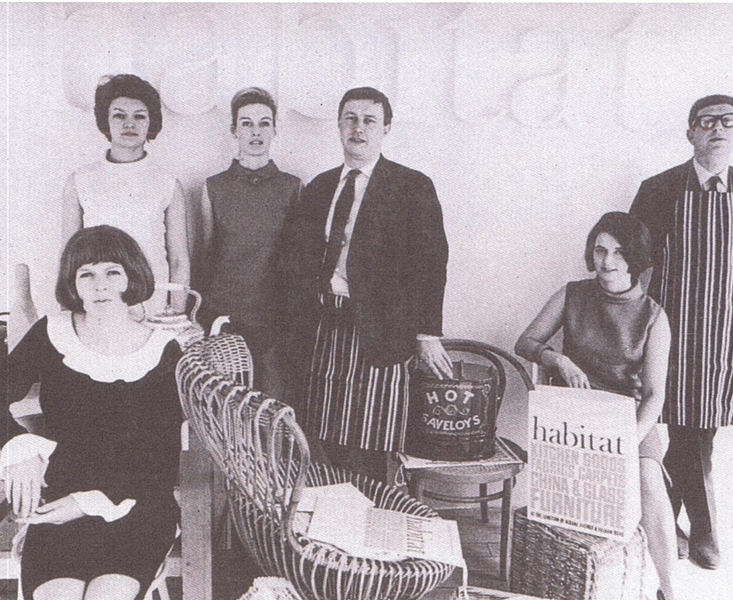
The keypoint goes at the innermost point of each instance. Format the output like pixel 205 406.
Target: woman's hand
pixel 23 483
pixel 571 373
pixel 57 512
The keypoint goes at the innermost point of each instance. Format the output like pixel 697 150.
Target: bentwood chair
pixel 441 482
pixel 266 458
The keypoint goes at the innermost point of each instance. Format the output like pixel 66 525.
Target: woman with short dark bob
pixel 127 189
pixel 96 490
pixel 616 338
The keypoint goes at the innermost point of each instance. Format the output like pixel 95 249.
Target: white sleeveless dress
pixel 132 197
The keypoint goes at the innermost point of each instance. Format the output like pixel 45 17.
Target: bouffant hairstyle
pixel 252 95
pixel 127 86
pixel 368 93
pixel 704 103
pixel 631 234
pixel 103 244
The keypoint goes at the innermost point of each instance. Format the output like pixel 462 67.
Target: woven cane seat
pixel 555 562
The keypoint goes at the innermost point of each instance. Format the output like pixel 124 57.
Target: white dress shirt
pixel 703 176
pixel 339 281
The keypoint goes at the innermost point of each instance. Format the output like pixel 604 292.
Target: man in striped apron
pixel 368 257
pixel 689 210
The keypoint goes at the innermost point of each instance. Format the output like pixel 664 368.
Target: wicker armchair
pixel 265 455
pixel 211 374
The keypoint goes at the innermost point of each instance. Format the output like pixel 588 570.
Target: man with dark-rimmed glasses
pixel 689 210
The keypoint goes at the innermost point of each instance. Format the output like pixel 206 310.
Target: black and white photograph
pixel 366 301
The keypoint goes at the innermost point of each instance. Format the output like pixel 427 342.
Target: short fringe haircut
pixel 103 244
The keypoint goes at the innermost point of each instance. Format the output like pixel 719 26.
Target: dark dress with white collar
pixel 116 421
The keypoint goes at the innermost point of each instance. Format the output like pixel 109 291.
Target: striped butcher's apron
pixel 350 402
pixel 697 294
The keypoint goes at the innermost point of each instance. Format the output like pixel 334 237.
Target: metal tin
pixel 453 419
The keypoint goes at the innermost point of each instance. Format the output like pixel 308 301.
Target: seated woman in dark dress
pixel 97 490
pixel 616 338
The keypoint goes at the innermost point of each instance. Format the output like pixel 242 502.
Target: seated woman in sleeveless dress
pixel 616 338
pixel 96 491
pixel 128 190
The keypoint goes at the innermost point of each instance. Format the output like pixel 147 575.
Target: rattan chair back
pixel 213 373
pixel 265 455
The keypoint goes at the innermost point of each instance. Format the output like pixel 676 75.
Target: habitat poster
pixel 584 461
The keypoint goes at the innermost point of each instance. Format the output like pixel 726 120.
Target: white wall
pixel 4 301
pixel 532 120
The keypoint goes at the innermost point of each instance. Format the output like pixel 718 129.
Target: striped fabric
pixel 697 293
pixel 350 402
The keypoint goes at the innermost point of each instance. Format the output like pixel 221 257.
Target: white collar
pixel 101 367
pixel 365 170
pixel 703 175
pixel 142 164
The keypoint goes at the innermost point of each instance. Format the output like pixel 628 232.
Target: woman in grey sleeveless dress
pixel 616 338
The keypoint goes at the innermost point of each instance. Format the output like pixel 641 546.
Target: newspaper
pixel 345 492
pixel 476 593
pixel 344 520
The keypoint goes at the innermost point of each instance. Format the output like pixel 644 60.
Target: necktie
pixel 713 183
pixel 338 226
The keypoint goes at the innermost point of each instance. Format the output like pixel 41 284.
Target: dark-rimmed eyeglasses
pixel 710 121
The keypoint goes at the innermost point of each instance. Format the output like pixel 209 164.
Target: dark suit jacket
pixel 654 205
pixel 397 259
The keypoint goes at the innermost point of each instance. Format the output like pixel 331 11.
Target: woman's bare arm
pixel 176 243
pixel 532 344
pixel 72 218
pixel 654 375
pixel 207 222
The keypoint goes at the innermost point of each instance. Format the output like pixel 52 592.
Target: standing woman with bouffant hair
pixel 96 490
pixel 127 190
